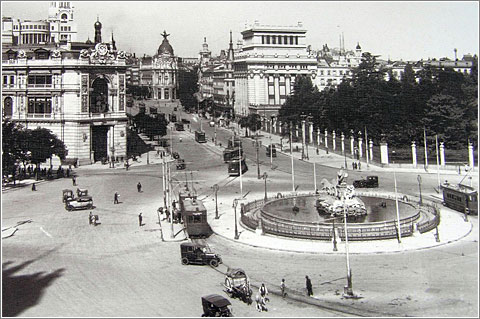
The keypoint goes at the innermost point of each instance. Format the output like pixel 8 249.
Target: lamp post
pixel 265 175
pixel 256 149
pixel 235 203
pixel 334 236
pixel 348 291
pixel 419 179
pixel 215 188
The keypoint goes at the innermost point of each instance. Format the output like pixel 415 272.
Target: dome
pixel 97 25
pixel 358 46
pixel 165 47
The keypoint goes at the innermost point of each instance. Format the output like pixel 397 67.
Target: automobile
pixel 67 194
pixel 212 123
pixel 369 182
pixel 185 121
pixel 176 155
pixel 216 306
pixel 84 202
pixel 192 253
pixel 181 164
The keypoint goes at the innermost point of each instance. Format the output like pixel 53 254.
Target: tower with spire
pixel 113 45
pixel 98 31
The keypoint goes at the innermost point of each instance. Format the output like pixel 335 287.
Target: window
pixel 40 105
pixel 12 79
pixel 291 39
pixel 39 80
pixel 285 39
pixel 263 39
pixel 268 39
pixel 274 39
pixel 296 40
pixel 64 16
pixel 5 80
pixel 8 106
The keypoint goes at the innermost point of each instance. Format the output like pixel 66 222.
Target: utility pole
pixel 291 157
pixel 215 188
pixel 396 206
pixel 256 148
pixel 265 175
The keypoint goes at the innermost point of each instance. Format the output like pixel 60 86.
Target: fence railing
pixel 252 213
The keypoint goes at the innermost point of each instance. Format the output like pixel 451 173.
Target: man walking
pixel 309 286
pixel 140 220
pixel 115 198
pixel 90 218
pixel 139 187
pixel 282 287
pixel 74 181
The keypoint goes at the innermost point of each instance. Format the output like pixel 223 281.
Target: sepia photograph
pixel 284 159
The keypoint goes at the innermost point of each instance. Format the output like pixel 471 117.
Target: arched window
pixel 99 96
pixel 64 16
pixel 8 106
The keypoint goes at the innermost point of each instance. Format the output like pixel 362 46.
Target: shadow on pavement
pixel 20 292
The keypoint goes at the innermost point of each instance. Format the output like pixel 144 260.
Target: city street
pixel 59 265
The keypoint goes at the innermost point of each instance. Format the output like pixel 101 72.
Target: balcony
pixel 39 86
pixel 39 115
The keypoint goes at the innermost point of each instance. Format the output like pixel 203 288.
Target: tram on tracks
pixel 194 215
pixel 460 197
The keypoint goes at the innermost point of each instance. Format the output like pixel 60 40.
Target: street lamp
pixel 334 236
pixel 265 175
pixel 215 188
pixel 419 179
pixel 235 203
pixel 348 291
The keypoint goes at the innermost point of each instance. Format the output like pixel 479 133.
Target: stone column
pixel 384 153
pixel 310 129
pixel 343 143
pixel 370 144
pixel 360 150
pixel 280 127
pixel 471 159
pixel 414 154
pixel 333 141
pixel 326 138
pixel 318 136
pixel 442 154
pixel 351 144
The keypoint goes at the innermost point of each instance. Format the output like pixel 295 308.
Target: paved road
pixel 59 265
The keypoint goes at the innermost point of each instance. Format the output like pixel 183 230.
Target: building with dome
pixel 75 89
pixel 160 72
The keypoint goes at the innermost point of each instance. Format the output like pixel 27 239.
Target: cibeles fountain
pixel 371 215
pixel 340 198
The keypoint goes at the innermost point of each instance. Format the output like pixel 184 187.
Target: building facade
pixel 59 27
pixel 266 67
pixel 76 90
pixel 160 72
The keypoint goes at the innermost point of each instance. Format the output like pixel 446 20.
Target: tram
pixel 234 166
pixel 460 197
pixel 200 137
pixel 229 153
pixel 194 215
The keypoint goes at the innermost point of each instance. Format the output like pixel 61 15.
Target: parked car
pixel 176 155
pixel 369 182
pixel 67 194
pixel 192 253
pixel 181 164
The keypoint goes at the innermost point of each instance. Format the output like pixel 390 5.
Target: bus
pixel 460 197
pixel 228 154
pixel 233 166
pixel 200 137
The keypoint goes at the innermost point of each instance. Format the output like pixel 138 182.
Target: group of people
pixel 356 165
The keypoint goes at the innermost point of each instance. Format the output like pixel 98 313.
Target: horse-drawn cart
pixel 237 285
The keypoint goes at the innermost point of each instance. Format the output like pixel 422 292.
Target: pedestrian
pixel 263 292
pixel 139 187
pixel 167 214
pixel 34 188
pixel 140 219
pixel 74 181
pixel 115 198
pixel 359 165
pixel 353 166
pixel 282 287
pixel 90 218
pixel 309 286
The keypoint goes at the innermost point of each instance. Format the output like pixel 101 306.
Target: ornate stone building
pixel 160 72
pixel 76 90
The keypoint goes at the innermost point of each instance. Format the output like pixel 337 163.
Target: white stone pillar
pixel 333 141
pixel 414 154
pixel 442 154
pixel 343 143
pixel 360 150
pixel 296 131
pixel 351 144
pixel 384 153
pixel 326 138
pixel 318 136
pixel 310 130
pixel 370 144
pixel 471 159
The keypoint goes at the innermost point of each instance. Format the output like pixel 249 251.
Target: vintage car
pixel 192 253
pixel 84 202
pixel 237 285
pixel 67 194
pixel 181 164
pixel 216 306
pixel 369 182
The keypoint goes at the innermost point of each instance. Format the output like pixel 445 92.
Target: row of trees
pixel 187 87
pixel 150 126
pixel 25 146
pixel 442 101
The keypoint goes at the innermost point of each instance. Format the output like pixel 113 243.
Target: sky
pixel 397 30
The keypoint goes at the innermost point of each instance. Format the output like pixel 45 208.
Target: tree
pixel 44 144
pixel 251 122
pixel 12 146
pixel 302 101
pixel 187 86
